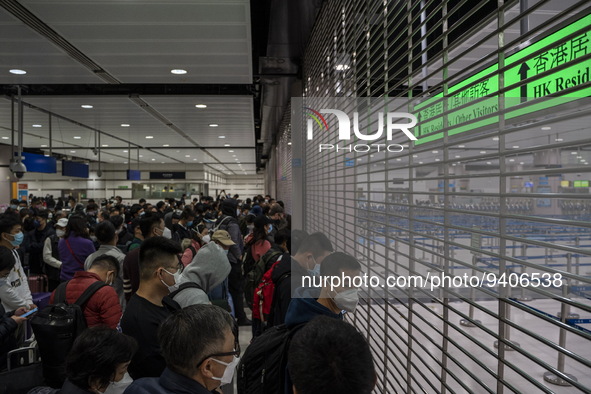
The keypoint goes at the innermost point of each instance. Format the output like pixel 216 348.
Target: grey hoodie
pixel 209 268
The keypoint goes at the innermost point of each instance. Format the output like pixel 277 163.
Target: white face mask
pixel 93 238
pixel 177 279
pixel 167 233
pixel 60 233
pixel 206 238
pixel 229 372
pixel 347 300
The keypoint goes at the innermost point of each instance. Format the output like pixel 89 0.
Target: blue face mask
pixel 36 223
pixel 17 239
pixel 189 223
pixel 270 228
pixel 226 251
pixel 14 207
pixel 316 270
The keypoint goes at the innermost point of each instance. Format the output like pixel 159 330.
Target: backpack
pixel 248 262
pixel 262 367
pixel 262 304
pixel 221 225
pixel 170 304
pixel 255 274
pixel 56 327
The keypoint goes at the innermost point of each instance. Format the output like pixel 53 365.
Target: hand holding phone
pixel 29 313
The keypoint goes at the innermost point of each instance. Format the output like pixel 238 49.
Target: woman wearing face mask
pixel 74 247
pixel 197 241
pixel 51 256
pixel 98 360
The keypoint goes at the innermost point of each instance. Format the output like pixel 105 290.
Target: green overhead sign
pixel 565 46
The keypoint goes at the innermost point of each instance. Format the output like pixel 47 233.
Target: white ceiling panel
pixel 124 37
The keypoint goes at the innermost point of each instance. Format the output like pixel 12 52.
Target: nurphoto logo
pixel 344 122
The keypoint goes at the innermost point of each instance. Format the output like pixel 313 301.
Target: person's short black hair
pixel 91 207
pixel 187 213
pixel 147 224
pixel 96 354
pixel 8 221
pixel 106 262
pixel 142 200
pixel 337 262
pixel 283 236
pixel 160 204
pixel 7 261
pixel 152 251
pixel 105 232
pixel 105 216
pixel 117 220
pixel 191 334
pixel 330 356
pixel 317 244
pixel 297 237
pixel 42 214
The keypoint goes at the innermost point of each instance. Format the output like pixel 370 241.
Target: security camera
pixel 18 169
pixel 95 151
pixel 99 173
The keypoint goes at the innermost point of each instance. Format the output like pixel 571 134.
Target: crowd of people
pixel 176 281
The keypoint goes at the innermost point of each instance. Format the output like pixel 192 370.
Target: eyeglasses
pixel 235 352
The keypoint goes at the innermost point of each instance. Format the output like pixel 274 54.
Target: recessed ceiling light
pixel 488 162
pixel 37 125
pixel 221 136
pixel 178 71
pixel 454 164
pixel 187 155
pixel 515 146
pixel 104 145
pixel 194 159
pixel 125 125
pixel 458 156
pixel 213 125
pixel 522 163
pixel 231 151
pixel 72 151
pixel 141 155
pixel 149 137
pixel 77 137
pixel 5 138
pixel 43 146
pixel 435 151
pixel 511 160
pixel 436 159
pixel 573 153
pixel 124 162
pixel 495 138
pixel 546 128
pixel 461 146
pixel 415 156
pixel 579 157
pixel 17 71
pixel 399 159
pixel 483 152
pixel 87 106
pixel 420 162
pixel 559 140
pixel 124 151
pixel 165 145
pixel 153 159
pixel 200 106
pixel 226 144
pixel 289 143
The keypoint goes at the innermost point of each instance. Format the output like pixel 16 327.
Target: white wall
pixel 245 185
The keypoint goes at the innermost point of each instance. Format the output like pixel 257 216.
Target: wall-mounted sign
pixel 564 47
pixel 167 175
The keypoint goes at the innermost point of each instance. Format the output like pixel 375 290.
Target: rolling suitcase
pixel 38 283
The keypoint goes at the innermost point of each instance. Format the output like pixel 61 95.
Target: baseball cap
pixel 63 222
pixel 222 237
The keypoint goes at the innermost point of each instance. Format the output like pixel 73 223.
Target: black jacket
pixel 288 271
pixel 35 247
pixel 168 383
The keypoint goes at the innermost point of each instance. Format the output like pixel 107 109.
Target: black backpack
pixel 254 276
pixel 262 367
pixel 170 304
pixel 56 327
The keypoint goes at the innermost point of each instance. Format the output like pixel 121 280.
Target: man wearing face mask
pixel 182 229
pixel 51 256
pixel 287 275
pixel 107 238
pixel 160 273
pixel 15 293
pixel 151 225
pixel 37 239
pixel 200 345
pixel 103 308
pixel 326 301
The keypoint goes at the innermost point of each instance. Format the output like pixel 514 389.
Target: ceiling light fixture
pixel 5 138
pixel 515 146
pixel 165 145
pixel 226 144
pixel 124 151
pixel 104 145
pixel 559 140
pixel 546 128
pixel 289 143
pixel 72 151
pixel 37 125
pixel 221 136
pixel 77 137
pixel 17 71
pixel 461 146
pixel 149 137
pixel 125 125
pixel 213 125
pixel 200 106
pixel 483 152
pixel 43 146
pixel 87 106
pixel 178 71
